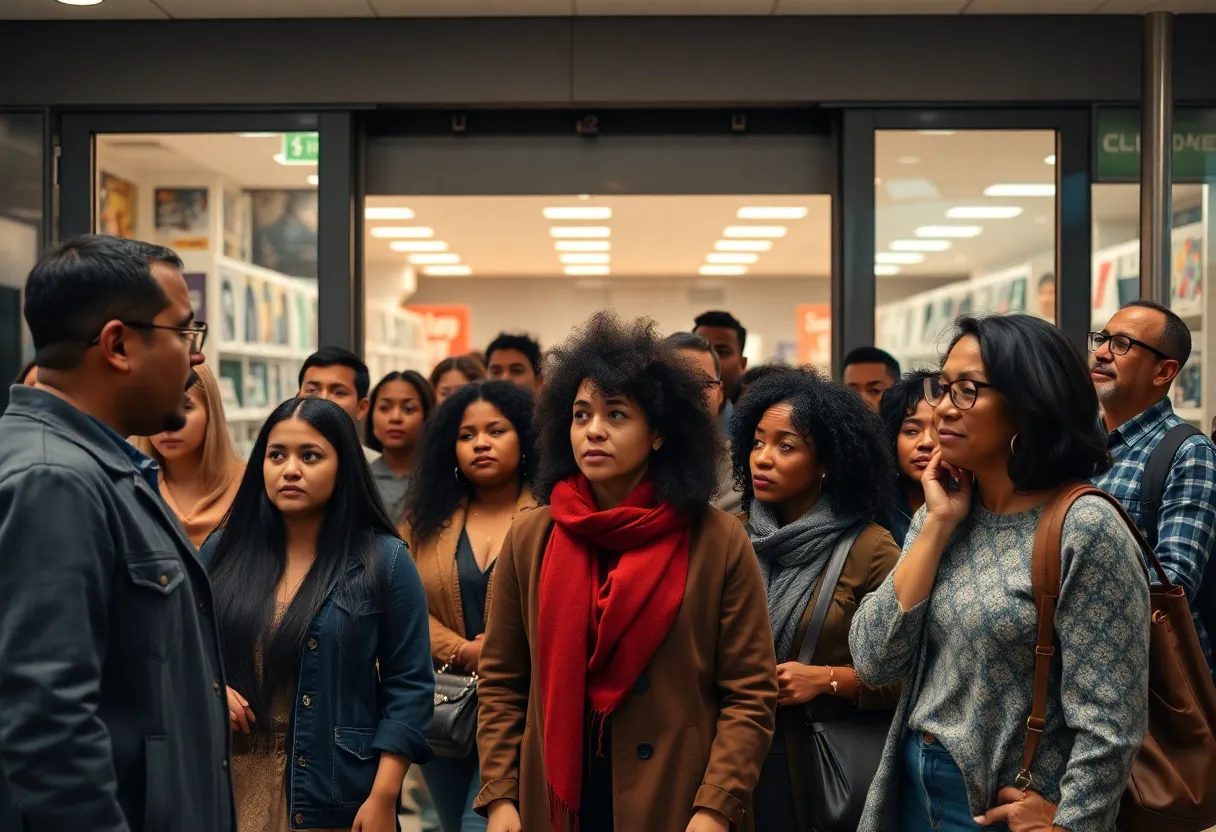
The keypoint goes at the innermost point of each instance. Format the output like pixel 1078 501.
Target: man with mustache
pixel 1135 361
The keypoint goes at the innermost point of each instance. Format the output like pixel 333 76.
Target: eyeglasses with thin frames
pixel 963 392
pixel 195 333
pixel 1121 344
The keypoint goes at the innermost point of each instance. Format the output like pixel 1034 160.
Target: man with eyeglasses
pixel 113 709
pixel 1135 361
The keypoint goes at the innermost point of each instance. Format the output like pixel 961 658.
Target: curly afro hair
pixel 631 359
pixel 434 491
pixel 848 439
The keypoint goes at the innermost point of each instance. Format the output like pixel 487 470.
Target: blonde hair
pixel 219 457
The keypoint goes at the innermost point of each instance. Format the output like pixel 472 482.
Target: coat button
pixel 215 685
pixel 164 580
pixel 641 684
pixel 307 700
pixel 312 644
pixel 645 751
pixel 302 761
pixel 224 765
pixel 299 818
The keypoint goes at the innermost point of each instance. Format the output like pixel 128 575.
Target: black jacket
pixel 113 711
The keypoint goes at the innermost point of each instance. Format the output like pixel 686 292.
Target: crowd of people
pixel 627 584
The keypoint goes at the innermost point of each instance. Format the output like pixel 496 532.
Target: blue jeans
pixel 453 784
pixel 932 794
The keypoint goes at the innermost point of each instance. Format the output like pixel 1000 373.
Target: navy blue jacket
pixel 345 714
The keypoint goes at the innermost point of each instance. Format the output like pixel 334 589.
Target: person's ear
pixel 743 361
pixel 112 344
pixel 1167 371
pixel 364 404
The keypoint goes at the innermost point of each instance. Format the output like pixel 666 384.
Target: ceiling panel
pixel 674 7
pixel 1145 6
pixel 884 7
pixel 184 9
pixel 1034 6
pixel 110 10
pixel 472 8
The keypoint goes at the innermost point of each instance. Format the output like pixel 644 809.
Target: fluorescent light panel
pixel 434 259
pixel 731 258
pixel 587 271
pixel 388 213
pixel 755 231
pixel 408 232
pixel 983 212
pixel 583 259
pixel 894 258
pixel 447 271
pixel 792 212
pixel 258 135
pixel 1021 189
pixel 885 270
pixel 582 245
pixel 418 245
pixel 722 271
pixel 920 245
pixel 580 232
pixel 743 245
pixel 949 231
pixel 313 179
pixel 282 160
pixel 1050 160
pixel 585 213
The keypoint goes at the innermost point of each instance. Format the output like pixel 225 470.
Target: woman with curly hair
pixel 627 679
pixel 470 483
pixel 811 475
pixel 907 420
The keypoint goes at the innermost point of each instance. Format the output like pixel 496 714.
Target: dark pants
pixel 453 784
pixel 933 795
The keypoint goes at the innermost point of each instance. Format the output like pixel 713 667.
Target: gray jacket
pixel 113 711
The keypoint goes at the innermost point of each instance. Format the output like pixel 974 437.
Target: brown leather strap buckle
pixel 1024 781
pixel 1036 724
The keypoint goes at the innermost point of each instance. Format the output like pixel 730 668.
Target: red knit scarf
pixel 620 619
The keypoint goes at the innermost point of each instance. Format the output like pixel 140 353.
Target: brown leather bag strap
pixel 1045 580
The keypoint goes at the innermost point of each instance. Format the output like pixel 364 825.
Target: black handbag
pixel 840 756
pixel 454 728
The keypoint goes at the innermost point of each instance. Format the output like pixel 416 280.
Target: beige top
pixel 210 509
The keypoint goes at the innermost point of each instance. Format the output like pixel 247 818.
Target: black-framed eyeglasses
pixel 962 392
pixel 195 333
pixel 1121 344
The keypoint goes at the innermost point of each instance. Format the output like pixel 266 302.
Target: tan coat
pixel 436 560
pixel 209 511
pixel 696 729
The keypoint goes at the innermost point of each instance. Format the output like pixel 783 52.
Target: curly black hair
pixel 846 434
pixel 434 491
pixel 899 402
pixel 631 359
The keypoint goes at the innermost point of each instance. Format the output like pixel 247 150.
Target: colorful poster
pixel 228 303
pixel 116 213
pixel 285 231
pixel 814 328
pixel 445 330
pixel 183 218
pixel 196 283
pixel 236 225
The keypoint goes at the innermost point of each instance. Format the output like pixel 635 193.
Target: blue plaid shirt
pixel 1186 521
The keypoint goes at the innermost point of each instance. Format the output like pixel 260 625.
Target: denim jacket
pixel 346 713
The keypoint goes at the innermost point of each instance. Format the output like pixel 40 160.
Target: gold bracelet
pixel 832 680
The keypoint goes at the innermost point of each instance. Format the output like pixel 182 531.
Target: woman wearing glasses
pixel 1017 418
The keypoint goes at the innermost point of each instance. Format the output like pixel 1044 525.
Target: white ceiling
pixel 920 177
pixel 193 9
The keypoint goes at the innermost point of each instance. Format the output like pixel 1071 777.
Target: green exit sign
pixel 301 148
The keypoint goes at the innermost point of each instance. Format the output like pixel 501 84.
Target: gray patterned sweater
pixel 966 655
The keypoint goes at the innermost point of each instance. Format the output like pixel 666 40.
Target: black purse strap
pixel 827 588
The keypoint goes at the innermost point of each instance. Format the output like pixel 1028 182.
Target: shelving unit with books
pixel 395 340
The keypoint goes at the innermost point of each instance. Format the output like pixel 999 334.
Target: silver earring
pixel 1013 450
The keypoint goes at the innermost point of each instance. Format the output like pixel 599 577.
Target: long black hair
pixel 844 430
pixel 434 489
pixel 426 400
pixel 251 555
pixel 898 403
pixel 631 359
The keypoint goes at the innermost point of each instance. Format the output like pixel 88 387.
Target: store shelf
pixel 272 352
pixel 246 414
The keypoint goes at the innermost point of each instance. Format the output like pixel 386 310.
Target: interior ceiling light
pixel 743 245
pixel 908 160
pixel 755 231
pixel 582 245
pixel 417 245
pixel 434 259
pixel 886 270
pixel 1021 189
pixel 584 259
pixel 983 212
pixel 950 231
pixel 576 232
pixel 447 271
pixel 920 245
pixel 282 160
pixel 313 179
pixel 405 232
pixel 1050 160
pixel 587 271
pixel 792 212
pixel 259 135
pixel 936 132
pixel 81 2
pixel 379 213
pixel 893 258
pixel 722 271
pixel 728 258
pixel 599 213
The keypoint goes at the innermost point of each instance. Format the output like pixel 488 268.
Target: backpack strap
pixel 827 588
pixel 1045 580
pixel 1156 471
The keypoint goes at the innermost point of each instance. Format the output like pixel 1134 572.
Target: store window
pixel 965 222
pixel 20 234
pixel 446 274
pixel 241 211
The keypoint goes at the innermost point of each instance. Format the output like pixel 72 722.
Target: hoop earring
pixel 1012 450
pixel 459 477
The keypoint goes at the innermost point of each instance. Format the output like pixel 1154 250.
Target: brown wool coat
pixel 436 561
pixel 698 725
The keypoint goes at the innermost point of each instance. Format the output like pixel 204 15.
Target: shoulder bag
pixel 840 756
pixel 1172 787
pixel 454 728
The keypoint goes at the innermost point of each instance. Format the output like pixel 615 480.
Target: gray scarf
pixel 791 558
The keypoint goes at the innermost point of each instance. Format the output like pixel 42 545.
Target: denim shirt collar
pixel 144 465
pixel 1139 428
